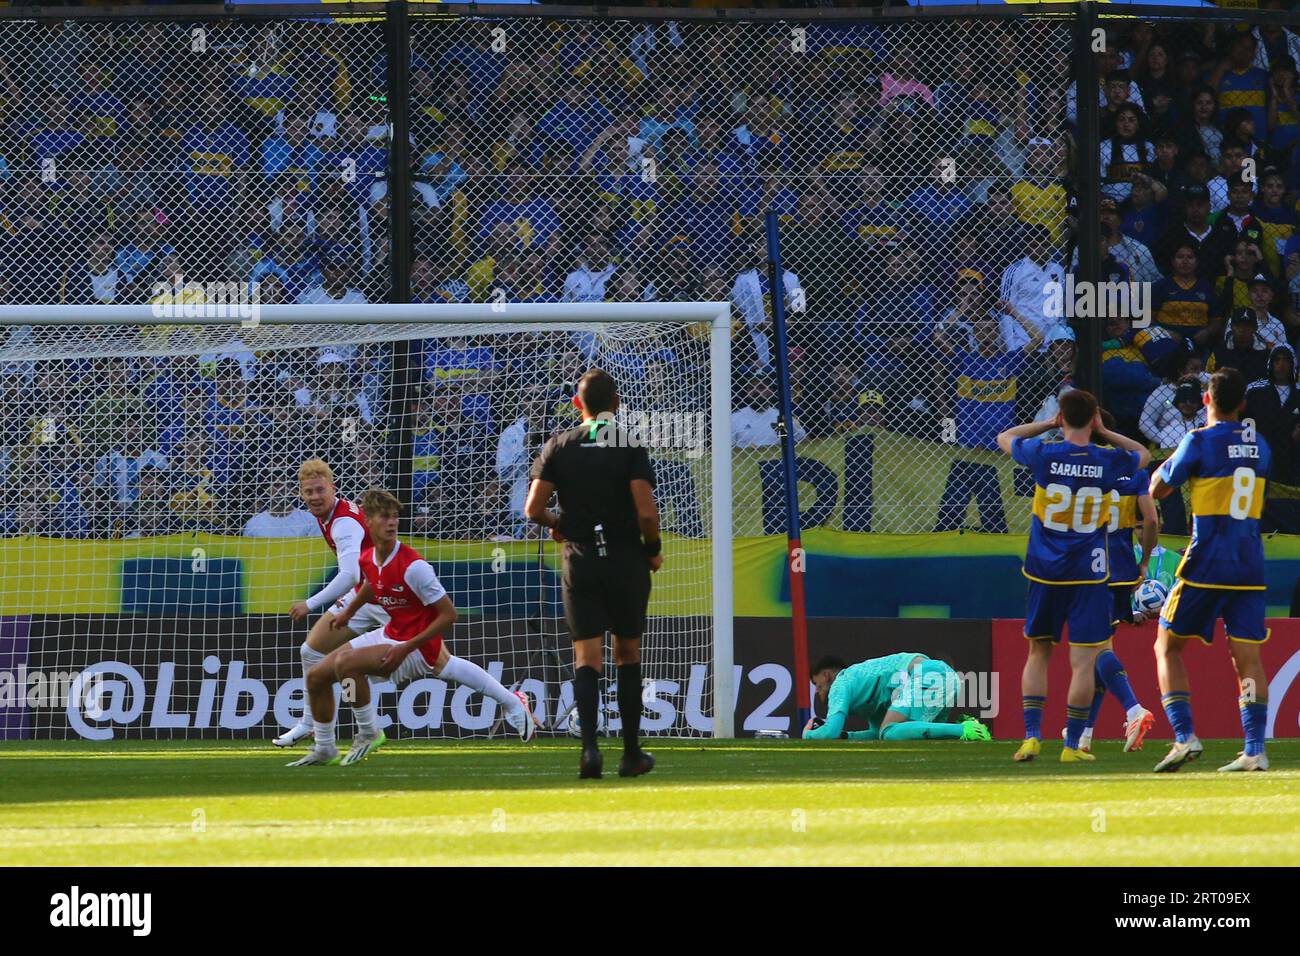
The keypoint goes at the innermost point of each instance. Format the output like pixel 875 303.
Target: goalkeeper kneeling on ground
pixel 902 697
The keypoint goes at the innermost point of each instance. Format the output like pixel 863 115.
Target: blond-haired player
pixel 407 648
pixel 343 526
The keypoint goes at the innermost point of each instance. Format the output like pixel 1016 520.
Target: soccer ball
pixel 574 726
pixel 1149 597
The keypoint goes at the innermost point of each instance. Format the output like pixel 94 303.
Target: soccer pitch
pixel 707 803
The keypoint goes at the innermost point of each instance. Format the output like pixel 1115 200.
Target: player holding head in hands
pixel 609 525
pixel 1226 466
pixel 343 526
pixel 408 647
pixel 904 696
pixel 1067 562
pixel 1130 503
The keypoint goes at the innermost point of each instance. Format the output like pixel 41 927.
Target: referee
pixel 609 525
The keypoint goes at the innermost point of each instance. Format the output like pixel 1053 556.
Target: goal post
pixel 157 550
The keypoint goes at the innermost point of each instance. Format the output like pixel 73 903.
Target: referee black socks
pixel 629 705
pixel 586 692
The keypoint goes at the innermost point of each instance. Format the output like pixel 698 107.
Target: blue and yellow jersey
pixel 1072 485
pixel 214 157
pixel 1182 306
pixel 1226 473
pixel 986 396
pixel 1123 519
pixel 264 90
pixel 1245 90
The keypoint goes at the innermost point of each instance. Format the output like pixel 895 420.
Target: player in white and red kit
pixel 342 525
pixel 409 646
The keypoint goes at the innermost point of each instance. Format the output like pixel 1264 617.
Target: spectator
pixel 1183 303
pixel 1173 410
pixel 1167 168
pixel 1125 153
pixel 1200 132
pixel 848 407
pixel 1242 270
pixel 1269 329
pixel 1194 227
pixel 1240 348
pixel 1128 252
pixel 985 377
pixel 1027 284
pixel 517 446
pixel 587 282
pixel 1239 83
pixel 753 425
pixel 1144 214
pixel 1231 158
pixel 281 518
pixel 1274 404
pixel 129 451
pixel 751 296
pixel 334 287
pixel 997 233
pixel 1127 377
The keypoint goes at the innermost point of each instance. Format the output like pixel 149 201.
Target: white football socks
pixel 310 657
pixel 471 675
pixel 324 731
pixel 365 716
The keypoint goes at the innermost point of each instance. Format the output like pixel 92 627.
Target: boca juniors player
pixel 1067 561
pixel 1226 466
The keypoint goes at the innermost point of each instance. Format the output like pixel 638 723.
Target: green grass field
pixel 764 802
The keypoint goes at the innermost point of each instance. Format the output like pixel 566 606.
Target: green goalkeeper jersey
pixel 864 690
pixel 1163 565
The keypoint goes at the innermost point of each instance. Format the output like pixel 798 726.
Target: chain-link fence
pixel 917 170
pixel 925 170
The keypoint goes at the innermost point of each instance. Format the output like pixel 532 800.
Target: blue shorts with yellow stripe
pixel 1190 611
pixel 1084 608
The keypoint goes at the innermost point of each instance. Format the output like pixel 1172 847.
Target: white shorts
pixel 370 616
pixel 413 668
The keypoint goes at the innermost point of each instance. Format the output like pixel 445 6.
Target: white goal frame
pixel 716 315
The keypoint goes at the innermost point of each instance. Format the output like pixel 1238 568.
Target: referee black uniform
pixel 606 581
pixel 591 467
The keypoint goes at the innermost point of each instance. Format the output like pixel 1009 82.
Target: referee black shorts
pixel 605 594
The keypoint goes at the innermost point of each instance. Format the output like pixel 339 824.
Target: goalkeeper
pixel 902 697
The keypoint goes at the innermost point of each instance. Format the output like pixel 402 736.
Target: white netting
pixel 148 498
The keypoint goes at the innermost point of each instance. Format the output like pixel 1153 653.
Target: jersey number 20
pixel 1084 507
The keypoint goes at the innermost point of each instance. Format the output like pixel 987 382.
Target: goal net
pixel 154 542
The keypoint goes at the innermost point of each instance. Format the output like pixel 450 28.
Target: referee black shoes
pixel 591 765
pixel 634 765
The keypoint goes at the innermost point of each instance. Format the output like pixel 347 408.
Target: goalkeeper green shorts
pixel 928 693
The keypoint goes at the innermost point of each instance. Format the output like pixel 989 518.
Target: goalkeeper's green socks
pixel 920 730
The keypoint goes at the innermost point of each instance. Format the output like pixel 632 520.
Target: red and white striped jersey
pixel 405 586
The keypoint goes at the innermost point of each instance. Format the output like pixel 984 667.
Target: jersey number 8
pixel 1085 508
pixel 1243 492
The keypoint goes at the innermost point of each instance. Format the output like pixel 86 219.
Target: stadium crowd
pixel 925 187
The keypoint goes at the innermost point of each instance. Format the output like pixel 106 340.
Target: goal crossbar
pixel 715 315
